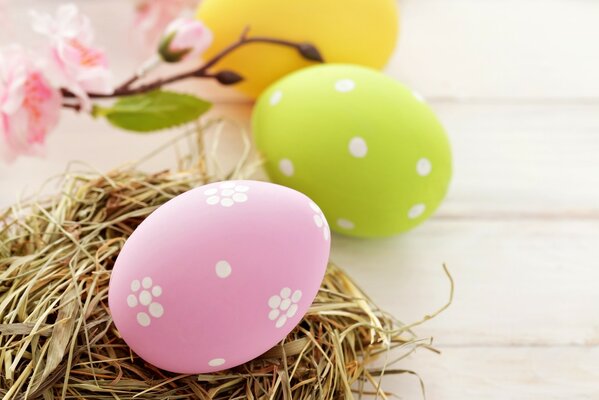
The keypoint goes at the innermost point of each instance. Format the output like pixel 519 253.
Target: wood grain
pixel 516 83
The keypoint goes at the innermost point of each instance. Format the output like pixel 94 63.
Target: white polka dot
pixel 286 167
pixel 276 97
pixel 156 310
pixel 318 221
pixel 216 362
pixel 285 292
pixel 358 147
pixel 147 282
pixel 135 285
pixel 419 97
pixel 281 321
pixel 285 304
pixel 156 291
pixel 227 202
pixel 240 197
pixel 143 319
pixel 273 314
pixel 326 233
pixel 314 207
pixel 345 85
pixel 274 301
pixel 345 223
pixel 227 185
pixel 241 188
pixel 227 192
pixel 424 167
pixel 223 269
pixel 212 200
pixel 210 192
pixel 145 298
pixel 297 295
pixel 131 300
pixel 292 311
pixel 416 211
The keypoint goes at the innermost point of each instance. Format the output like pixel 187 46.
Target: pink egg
pixel 218 275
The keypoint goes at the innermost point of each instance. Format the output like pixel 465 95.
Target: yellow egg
pixel 360 32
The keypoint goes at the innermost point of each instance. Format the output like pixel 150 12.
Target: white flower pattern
pixel 283 306
pixel 143 294
pixel 227 194
pixel 320 220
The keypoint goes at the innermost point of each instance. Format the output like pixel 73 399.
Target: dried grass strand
pixel 57 339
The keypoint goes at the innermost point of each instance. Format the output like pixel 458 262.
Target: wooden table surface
pixel 516 83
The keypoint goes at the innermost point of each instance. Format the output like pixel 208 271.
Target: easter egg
pixel 344 31
pixel 218 275
pixel 368 150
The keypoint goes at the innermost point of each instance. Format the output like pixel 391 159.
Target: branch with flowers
pixel 74 74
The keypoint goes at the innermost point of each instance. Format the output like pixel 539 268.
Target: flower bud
pixel 183 39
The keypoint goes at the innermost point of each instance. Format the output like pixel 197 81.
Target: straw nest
pixel 57 339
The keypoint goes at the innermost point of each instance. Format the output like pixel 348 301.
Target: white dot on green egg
pixel 275 98
pixel 223 269
pixel 286 167
pixel 345 85
pixel 345 223
pixel 424 167
pixel 416 210
pixel 216 362
pixel 358 147
pixel 419 97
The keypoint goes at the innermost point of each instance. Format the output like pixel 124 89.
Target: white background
pixel 516 83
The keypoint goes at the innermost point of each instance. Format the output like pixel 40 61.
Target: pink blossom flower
pixel 78 65
pixel 184 39
pixel 152 17
pixel 29 106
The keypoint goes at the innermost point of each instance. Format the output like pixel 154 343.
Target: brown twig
pixel 306 50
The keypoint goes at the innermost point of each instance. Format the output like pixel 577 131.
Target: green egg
pixel 363 146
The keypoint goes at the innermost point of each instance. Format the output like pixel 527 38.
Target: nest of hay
pixel 57 339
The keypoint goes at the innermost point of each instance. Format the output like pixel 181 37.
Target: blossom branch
pixel 306 50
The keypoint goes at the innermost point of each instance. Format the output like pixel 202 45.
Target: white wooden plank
pixel 528 373
pixel 458 49
pixel 514 161
pixel 103 147
pixel 534 161
pixel 499 49
pixel 517 282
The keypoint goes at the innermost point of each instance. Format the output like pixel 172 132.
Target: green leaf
pixel 153 111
